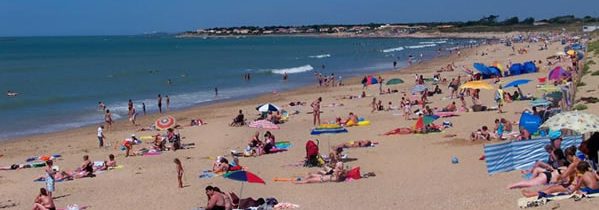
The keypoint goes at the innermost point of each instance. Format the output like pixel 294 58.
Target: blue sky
pixel 108 17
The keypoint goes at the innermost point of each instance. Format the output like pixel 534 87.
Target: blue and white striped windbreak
pixel 519 155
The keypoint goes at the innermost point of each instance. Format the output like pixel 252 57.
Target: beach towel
pixel 207 174
pixel 446 114
pixel 519 155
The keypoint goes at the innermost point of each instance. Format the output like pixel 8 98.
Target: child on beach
pixel 179 172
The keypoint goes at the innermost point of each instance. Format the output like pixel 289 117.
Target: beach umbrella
pixel 165 122
pixel 370 80
pixel 243 177
pixel 418 88
pixel 558 73
pixel 571 52
pixel 516 83
pixel 328 131
pixel 268 107
pixel 580 122
pixel 530 122
pixel 428 119
pixel 264 124
pixel 481 67
pixel 477 85
pixel 394 81
pixel 540 102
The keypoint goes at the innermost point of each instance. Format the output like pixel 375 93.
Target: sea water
pixel 60 80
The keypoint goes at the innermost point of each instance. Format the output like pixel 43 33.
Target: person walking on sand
pixel 316 111
pixel 499 98
pixel 168 104
pixel 132 115
pixel 108 119
pixel 180 171
pixel 373 105
pixel 129 106
pixel 44 201
pixel 101 136
pixel 143 107
pixel 159 103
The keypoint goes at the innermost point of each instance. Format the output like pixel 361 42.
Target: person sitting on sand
pixel 524 134
pixel 87 167
pixel 159 142
pixel 216 201
pixel 221 165
pixel 507 125
pixel 498 129
pixel 351 120
pixel 450 108
pixel 110 163
pixel 255 145
pixel 44 201
pixel 481 134
pixel 239 120
pixel 269 142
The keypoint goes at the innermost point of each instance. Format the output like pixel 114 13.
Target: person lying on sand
pixel 539 177
pixel 44 201
pixel 110 163
pixel 336 175
pixel 356 144
pixel 586 183
pixel 15 166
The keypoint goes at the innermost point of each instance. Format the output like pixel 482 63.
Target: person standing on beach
pixel 101 136
pixel 132 115
pixel 50 173
pixel 168 104
pixel 129 105
pixel 179 172
pixel 143 106
pixel 381 84
pixel 108 119
pixel 316 111
pixel 159 103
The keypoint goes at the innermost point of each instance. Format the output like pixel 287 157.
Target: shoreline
pixel 382 35
pixel 230 102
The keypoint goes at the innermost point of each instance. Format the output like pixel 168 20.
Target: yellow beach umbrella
pixel 571 52
pixel 477 85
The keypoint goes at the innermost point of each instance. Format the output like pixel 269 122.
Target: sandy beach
pixel 412 171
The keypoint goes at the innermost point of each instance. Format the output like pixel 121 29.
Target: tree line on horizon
pixel 491 20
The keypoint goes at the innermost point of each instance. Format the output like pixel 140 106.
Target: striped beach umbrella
pixel 268 107
pixel 165 122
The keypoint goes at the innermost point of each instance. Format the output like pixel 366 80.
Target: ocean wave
pixel 392 49
pixel 442 41
pixel 293 70
pixel 420 46
pixel 320 56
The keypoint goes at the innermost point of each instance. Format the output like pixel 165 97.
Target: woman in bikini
pixel 336 175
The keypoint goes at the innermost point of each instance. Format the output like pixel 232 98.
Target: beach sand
pixel 412 171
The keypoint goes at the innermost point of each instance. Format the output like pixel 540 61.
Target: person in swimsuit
pixel 337 175
pixel 108 119
pixel 44 201
pixel 227 197
pixel 87 167
pixel 216 200
pixel 316 111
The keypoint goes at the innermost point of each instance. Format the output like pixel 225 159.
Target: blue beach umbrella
pixel 482 68
pixel 516 83
pixel 530 122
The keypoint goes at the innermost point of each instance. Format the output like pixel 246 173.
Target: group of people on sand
pixel 328 81
pixel 563 172
pixel 257 147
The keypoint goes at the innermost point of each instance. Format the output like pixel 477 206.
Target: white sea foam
pixel 420 46
pixel 392 49
pixel 293 70
pixel 442 41
pixel 320 56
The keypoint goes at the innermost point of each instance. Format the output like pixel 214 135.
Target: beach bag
pixel 354 173
pixel 73 207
